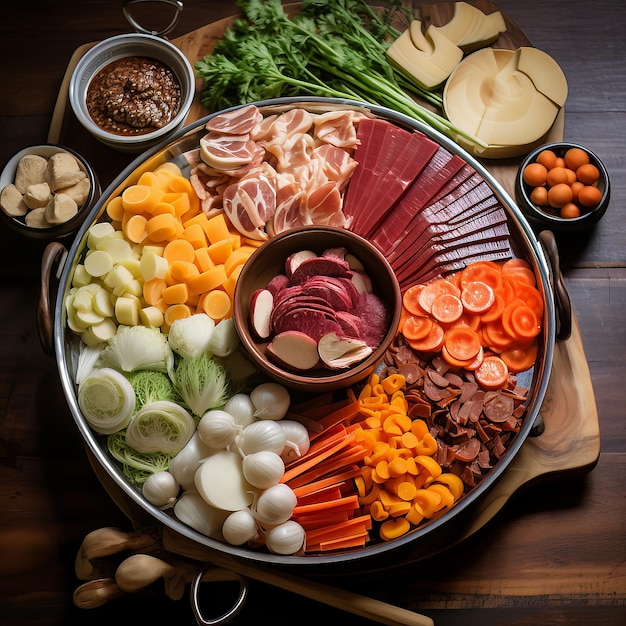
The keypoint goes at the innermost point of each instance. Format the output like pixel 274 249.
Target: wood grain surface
pixel 554 554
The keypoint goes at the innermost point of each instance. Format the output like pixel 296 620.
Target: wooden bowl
pixel 270 259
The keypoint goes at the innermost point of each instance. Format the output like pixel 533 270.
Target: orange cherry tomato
pixel 539 196
pixel 570 211
pixel 559 195
pixel 589 196
pixel 556 176
pixel 575 157
pixel 535 174
pixel 588 174
pixel 547 158
pixel 576 187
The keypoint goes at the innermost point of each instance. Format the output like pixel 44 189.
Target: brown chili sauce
pixel 134 96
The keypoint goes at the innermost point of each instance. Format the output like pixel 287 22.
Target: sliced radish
pixel 220 482
pixel 354 263
pixel 296 258
pixel 294 349
pixel 362 282
pixel 261 305
pixel 339 251
pixel 340 352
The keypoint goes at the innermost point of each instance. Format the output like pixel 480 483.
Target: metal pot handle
pixel 127 10
pixel 52 260
pixel 561 295
pixel 226 617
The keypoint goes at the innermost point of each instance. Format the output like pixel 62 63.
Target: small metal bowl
pixel 120 47
pixel 55 231
pixel 269 260
pixel 547 218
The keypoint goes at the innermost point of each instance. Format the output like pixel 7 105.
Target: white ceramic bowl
pixel 122 46
pixel 56 231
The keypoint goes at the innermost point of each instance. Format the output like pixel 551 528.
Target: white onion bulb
pixel 298 441
pixel 263 469
pixel 191 509
pixel 286 538
pixel 275 505
pixel 217 428
pixel 161 489
pixel 185 464
pixel 240 527
pixel 262 435
pixel 271 401
pixel 241 408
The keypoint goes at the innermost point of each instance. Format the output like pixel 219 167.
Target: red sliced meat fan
pixel 427 209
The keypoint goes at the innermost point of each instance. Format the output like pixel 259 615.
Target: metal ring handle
pixel 563 302
pixel 126 8
pixel 52 260
pixel 226 617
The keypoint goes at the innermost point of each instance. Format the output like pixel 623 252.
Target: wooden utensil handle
pixel 369 608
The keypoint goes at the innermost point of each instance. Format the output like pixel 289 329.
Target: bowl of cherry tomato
pixel 562 186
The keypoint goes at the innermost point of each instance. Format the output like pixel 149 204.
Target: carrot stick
pixel 314 460
pixel 355 524
pixel 346 503
pixel 355 542
pixel 345 413
pixel 313 521
pixel 332 492
pixel 325 482
pixel 325 440
pixel 329 467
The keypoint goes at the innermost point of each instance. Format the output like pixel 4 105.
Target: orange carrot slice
pixel 416 327
pixel 477 297
pixel 520 358
pixel 410 300
pixel 495 310
pixel 446 308
pixel 431 343
pixel 493 373
pixel 433 289
pixel 462 343
pixel 483 271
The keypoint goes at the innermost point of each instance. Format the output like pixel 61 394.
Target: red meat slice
pixel 320 266
pixel 313 323
pixel 351 324
pixel 374 319
pixel 410 154
pixel 449 211
pixel 381 143
pixel 440 169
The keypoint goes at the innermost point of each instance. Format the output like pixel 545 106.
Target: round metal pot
pixel 433 537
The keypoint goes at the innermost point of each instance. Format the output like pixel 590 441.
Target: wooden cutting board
pixel 571 439
pixel 66 130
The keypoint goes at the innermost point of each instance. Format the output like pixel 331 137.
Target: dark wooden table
pixel 556 553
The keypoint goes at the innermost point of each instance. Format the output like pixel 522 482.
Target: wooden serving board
pixel 571 439
pixel 66 130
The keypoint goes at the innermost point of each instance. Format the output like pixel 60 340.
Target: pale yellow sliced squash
pixel 509 99
pixel 471 29
pixel 429 65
